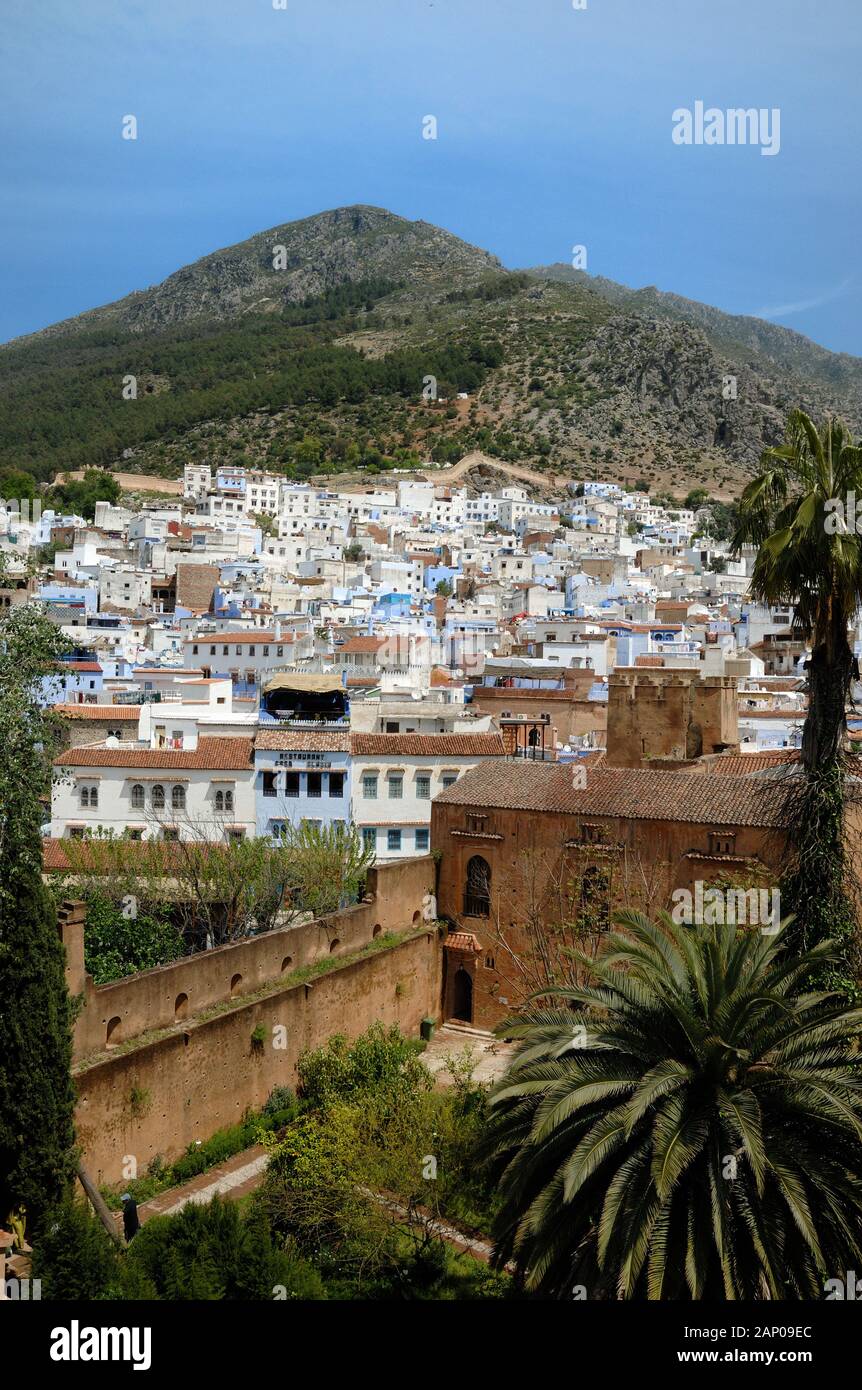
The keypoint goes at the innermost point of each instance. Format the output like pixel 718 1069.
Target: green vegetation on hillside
pixel 62 401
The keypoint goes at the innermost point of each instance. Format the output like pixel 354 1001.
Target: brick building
pixel 531 862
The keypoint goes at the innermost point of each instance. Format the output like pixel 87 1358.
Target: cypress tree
pixel 37 1158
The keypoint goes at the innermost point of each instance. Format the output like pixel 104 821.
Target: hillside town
pixel 346 656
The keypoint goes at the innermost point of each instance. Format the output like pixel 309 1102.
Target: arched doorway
pixel 462 996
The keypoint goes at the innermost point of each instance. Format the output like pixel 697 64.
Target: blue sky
pixel 554 129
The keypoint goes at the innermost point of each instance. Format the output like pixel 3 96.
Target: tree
pixel 217 1252
pixel 686 1127
pixel 696 498
pixel 120 941
pixel 36 1093
pixel 793 511
pixel 215 891
pixel 81 495
pixel 73 1256
pixel 443 589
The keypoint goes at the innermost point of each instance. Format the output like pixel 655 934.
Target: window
pixel 449 780
pixel 396 788
pixel 490 963
pixel 76 832
pixel 291 784
pixel 369 788
pixel 136 834
pixel 477 891
pixel 336 784
pixel 423 788
pixel 721 842
pixel 89 796
pixel 266 651
pixel 477 824
pixel 392 726
pixel 591 834
pixel 238 650
pixel 235 835
pixel 393 839
pixel 595 899
pixel 369 836
pixel 157 797
pixel 279 651
pixel 195 649
pixel 212 651
pixel 170 834
pixel 422 839
pixel 314 783
pixel 137 797
pixel 251 651
pixel 269 784
pixel 224 800
pixel 178 798
pixel 225 651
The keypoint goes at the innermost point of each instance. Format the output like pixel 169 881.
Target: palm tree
pixel 686 1127
pixel 798 512
pixel 795 511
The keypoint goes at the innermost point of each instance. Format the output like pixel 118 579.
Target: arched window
pixel 157 797
pixel 596 899
pixel 178 798
pixel 94 796
pixel 228 801
pixel 477 892
pixel 138 797
pixel 219 801
pixel 85 796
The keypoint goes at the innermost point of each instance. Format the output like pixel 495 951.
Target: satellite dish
pixel 112 741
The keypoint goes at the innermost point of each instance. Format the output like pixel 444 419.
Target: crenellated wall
pixel 170 1055
pixel 153 999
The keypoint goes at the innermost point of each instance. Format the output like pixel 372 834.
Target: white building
pixel 201 791
pixel 394 778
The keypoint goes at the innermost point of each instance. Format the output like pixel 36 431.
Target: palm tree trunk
pixel 830 671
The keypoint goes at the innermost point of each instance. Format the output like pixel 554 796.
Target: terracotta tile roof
pixel 302 740
pixel 461 941
pixel 428 745
pixel 230 753
pixel 635 794
pixel 154 853
pixel 79 666
pixel 748 764
pixel 196 585
pixel 122 713
pixel 363 644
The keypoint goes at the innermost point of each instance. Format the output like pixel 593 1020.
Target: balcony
pixel 287 720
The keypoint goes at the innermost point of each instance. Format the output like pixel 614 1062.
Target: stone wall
pixel 161 1096
pixel 673 714
pixel 114 1013
pixel 170 1055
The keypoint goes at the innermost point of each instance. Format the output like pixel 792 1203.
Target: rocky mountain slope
pixel 309 348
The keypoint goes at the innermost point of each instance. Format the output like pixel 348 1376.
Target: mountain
pixel 315 254
pixel 311 348
pixel 785 349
